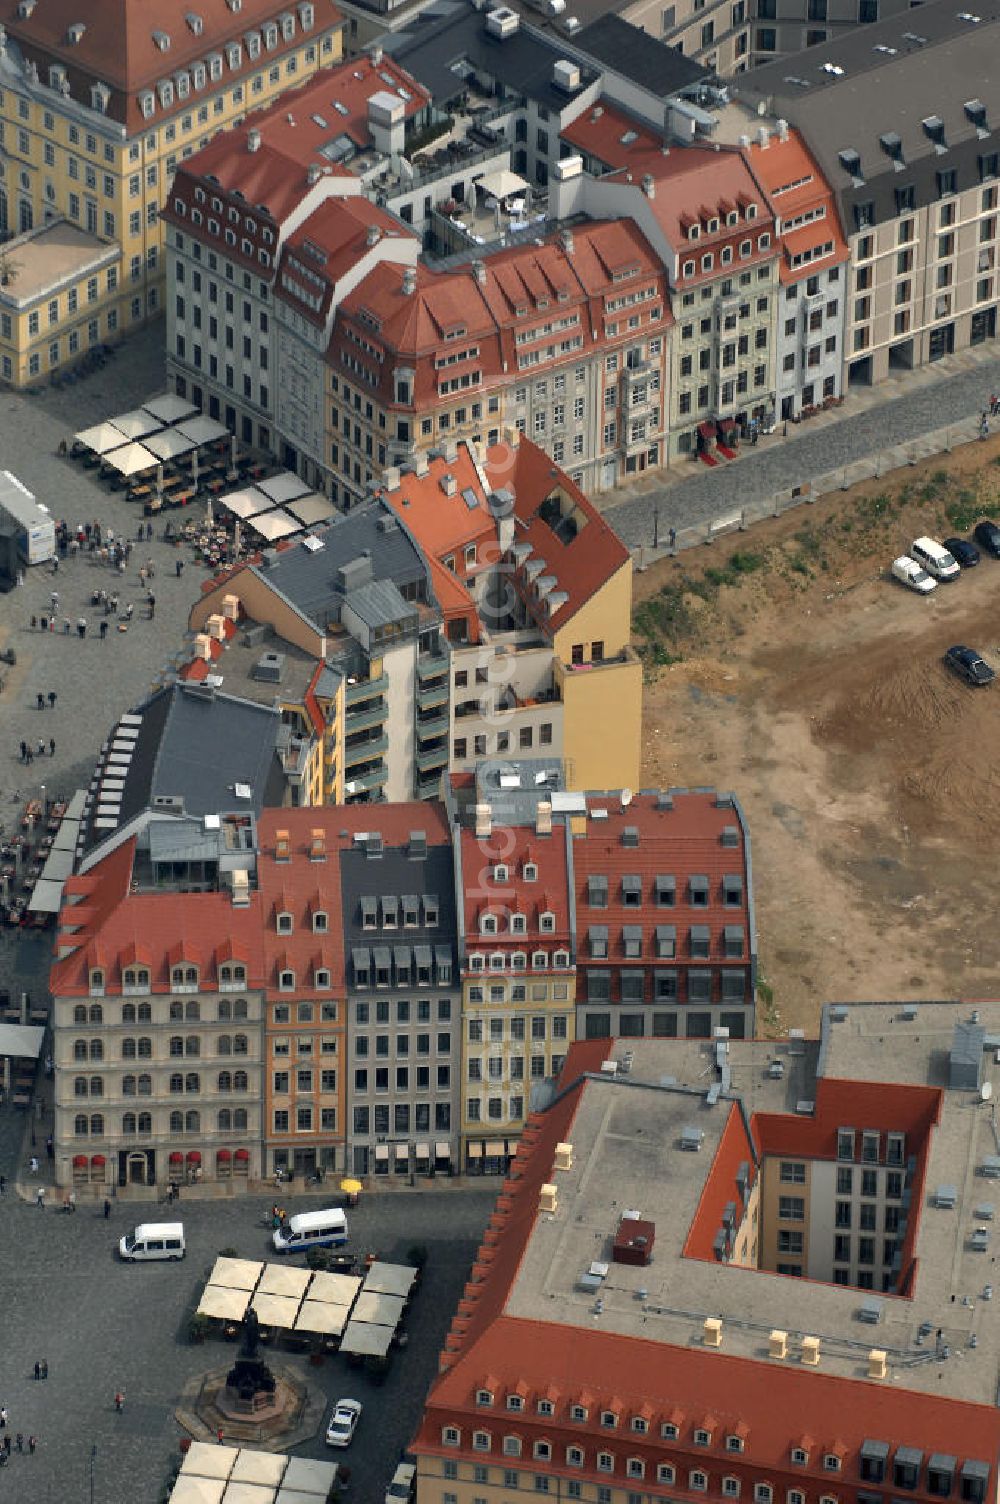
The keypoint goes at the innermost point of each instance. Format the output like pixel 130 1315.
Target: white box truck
pixel 34 524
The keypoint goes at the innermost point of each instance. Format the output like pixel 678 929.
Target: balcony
pixel 366 689
pixel 366 719
pixel 435 667
pixel 374 779
pixel 435 725
pixel 432 758
pixel 431 695
pixel 364 751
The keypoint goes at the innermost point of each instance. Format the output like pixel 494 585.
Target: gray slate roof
pixel 620 47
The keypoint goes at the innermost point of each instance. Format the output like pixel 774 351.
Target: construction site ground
pixel 784 664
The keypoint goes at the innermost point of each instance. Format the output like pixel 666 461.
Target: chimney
pixel 479 272
pixel 241 888
pixel 216 627
pixel 253 140
pixel 231 607
pixel 566 241
pixel 564 1157
pixel 376 56
pixel 317 845
pixel 763 137
pixel 449 485
pixel 409 281
pixel 203 646
pixel 778 1344
pixel 712 1332
pixel 878 1366
pixel 810 1351
pixel 373 236
pixel 484 821
pixel 648 185
pixel 548 1199
pixel 744 141
pixel 390 477
pixel 782 130
pixel 420 462
pixel 282 846
pixel 313 174
pixel 543 818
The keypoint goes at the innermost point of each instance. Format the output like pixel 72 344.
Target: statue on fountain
pixel 250 1377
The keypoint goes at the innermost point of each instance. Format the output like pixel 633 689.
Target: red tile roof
pixel 512 847
pixel 328 245
pixel 794 182
pixel 598 132
pixel 119 47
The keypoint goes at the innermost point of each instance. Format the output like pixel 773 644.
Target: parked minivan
pixel 936 559
pixel 311 1230
pixel 154 1240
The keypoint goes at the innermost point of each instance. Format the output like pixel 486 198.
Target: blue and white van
pixel 311 1230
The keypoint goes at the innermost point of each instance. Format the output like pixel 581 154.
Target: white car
pixel 400 1490
pixel 344 1419
pixel 909 572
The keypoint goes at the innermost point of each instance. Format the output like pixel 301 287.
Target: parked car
pixel 936 559
pixel 909 572
pixel 970 665
pixel 343 1423
pixel 987 535
pixel 400 1490
pixel 966 554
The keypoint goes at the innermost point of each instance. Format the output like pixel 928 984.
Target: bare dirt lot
pixel 785 665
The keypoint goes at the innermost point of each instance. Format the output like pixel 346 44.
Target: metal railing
pixel 669 541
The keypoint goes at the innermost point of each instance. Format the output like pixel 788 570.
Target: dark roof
pixel 396 874
pixel 620 47
pixel 309 578
pixel 522 62
pixel 885 81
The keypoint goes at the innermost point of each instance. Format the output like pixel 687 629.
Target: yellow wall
pixel 772 1189
pixel 78 165
pixel 260 604
pixel 606 617
pixel 60 316
pixel 602 724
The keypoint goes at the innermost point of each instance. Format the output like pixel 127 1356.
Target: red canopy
pixel 79 1161
pixel 243 1154
pixel 98 1160
pixel 194 1156
pixel 223 1154
pixel 177 1157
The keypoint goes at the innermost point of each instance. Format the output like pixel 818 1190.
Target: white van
pixel 935 558
pixel 154 1240
pixel 311 1230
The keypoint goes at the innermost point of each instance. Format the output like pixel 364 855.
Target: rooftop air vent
pixel 850 161
pixel 976 112
pixel 934 131
pixel 692 1139
pixel 269 668
pixel 502 22
pixel 565 76
pixel 837 1013
pixel 946 1197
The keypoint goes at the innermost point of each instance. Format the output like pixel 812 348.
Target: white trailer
pixel 36 529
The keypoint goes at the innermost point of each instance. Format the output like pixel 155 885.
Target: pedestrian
pixel 71 1203
pixel 34 622
pixel 30 757
pixel 33 1165
pixel 32 1443
pixel 179 567
pixel 43 621
pixel 19 1441
pixel 107 1209
pixel 67 626
pixel 52 746
pixel 41 746
pixel 81 626
pixel 119 1400
pixel 6 1446
pixel 45 1368
pixel 38 1370
pixel 104 629
pixel 24 750
pixel 3 1185
pixel 52 699
pixel 151 603
pixel 142 575
pixel 984 426
pixel 54 598
pixel 3 1417
pixel 40 1197
pixel 50 1147
pixel 128 611
pixel 41 700
pixel 220 1436
pixel 149 568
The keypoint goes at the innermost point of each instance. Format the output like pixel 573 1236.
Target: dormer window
pixel 147 103
pixel 369 914
pixel 746 246
pixel 734 1443
pixel 96 982
pixel 547 922
pixel 183 978
pixel 561 958
pixel 135 979
pixel 707 262
pixel 831 1462
pixel 800 1456
pixel 751 211
pixel 542 1451
pixel 194 22
pixel 515 1402
pixel 668 1431
pixel 511 1445
pixel 539 960
pixel 530 872
pixel 578 1412
pixel 484 1397
pixel 712 227
pixel 732 217
pixel 518 924
pixel 546 1407
pixel 320 922
pixel 270 35
pixel 500 873
pixel 284 923
pixel 234 54
pixel 321 979
pixel 390 913
pixel 481 1441
pixel 286 981
pixel 640 1425
pixel 688 269
pixel 609 1418
pixel 487 924
pixel 702 1438
pixel 694 232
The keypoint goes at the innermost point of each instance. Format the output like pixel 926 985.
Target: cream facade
pixel 60 297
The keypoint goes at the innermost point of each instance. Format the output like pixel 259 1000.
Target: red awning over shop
pixel 224 1154
pixel 194 1156
pixel 707 429
pixel 177 1157
pixel 98 1161
pixel 243 1154
pixel 79 1161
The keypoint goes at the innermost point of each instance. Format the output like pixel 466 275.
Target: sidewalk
pixel 898 411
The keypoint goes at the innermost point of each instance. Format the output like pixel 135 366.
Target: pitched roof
pixel 512 848
pixel 621 47
pixel 794 182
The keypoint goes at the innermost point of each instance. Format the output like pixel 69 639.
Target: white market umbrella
pixel 101 438
pixel 137 424
pixel 130 459
pixel 169 408
pixel 168 444
pixel 283 487
pixel 202 430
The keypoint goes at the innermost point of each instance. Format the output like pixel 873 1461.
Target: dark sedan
pixel 962 551
pixel 987 535
pixel 969 665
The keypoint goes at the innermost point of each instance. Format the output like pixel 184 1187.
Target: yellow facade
pixel 515 1032
pixel 60 295
pixel 62 157
pixel 602 723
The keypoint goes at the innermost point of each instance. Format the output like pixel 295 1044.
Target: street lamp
pixel 93 1459
pixel 656 524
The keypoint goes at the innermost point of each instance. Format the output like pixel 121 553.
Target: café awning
pixel 309 1477
pixel 311 509
pixel 283 487
pixel 502 184
pixel 223 1303
pixel 21 1041
pixel 366 1340
pixel 390 1279
pixel 236 1274
pixel 246 503
pixel 274 525
pixel 338 1289
pixel 101 438
pixel 195 1490
pixel 202 430
pixel 131 459
pixel 283 1279
pixel 380 1310
pixel 168 444
pixel 136 424
pixel 276 1310
pixel 254 1466
pixel 322 1316
pixel 169 408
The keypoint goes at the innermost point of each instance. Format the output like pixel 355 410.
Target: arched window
pixel 176 1044
pixel 176 1122
pixel 97 1125
pixel 239 1081
pixel 145 1122
pixel 225 1008
pixel 128 1013
pixel 80 1014
pixel 240 1118
pixel 225 1081
pixel 80 1125
pixel 225 1120
pixel 79 1049
pixel 96 1013
pixel 145 1048
pixel 192 1081
pixel 128 1122
pixel 240 1008
pixel 145 1086
pixel 128 1086
pixel 192 1122
pixel 192 1045
pixel 240 1044
pixel 177 1010
pixel 97 1086
pixel 97 1049
pixel 145 1013
pixel 128 1049
pixel 225 1045
pixel 80 1086
pixel 176 1082
pixel 192 1010
pixel 191 976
